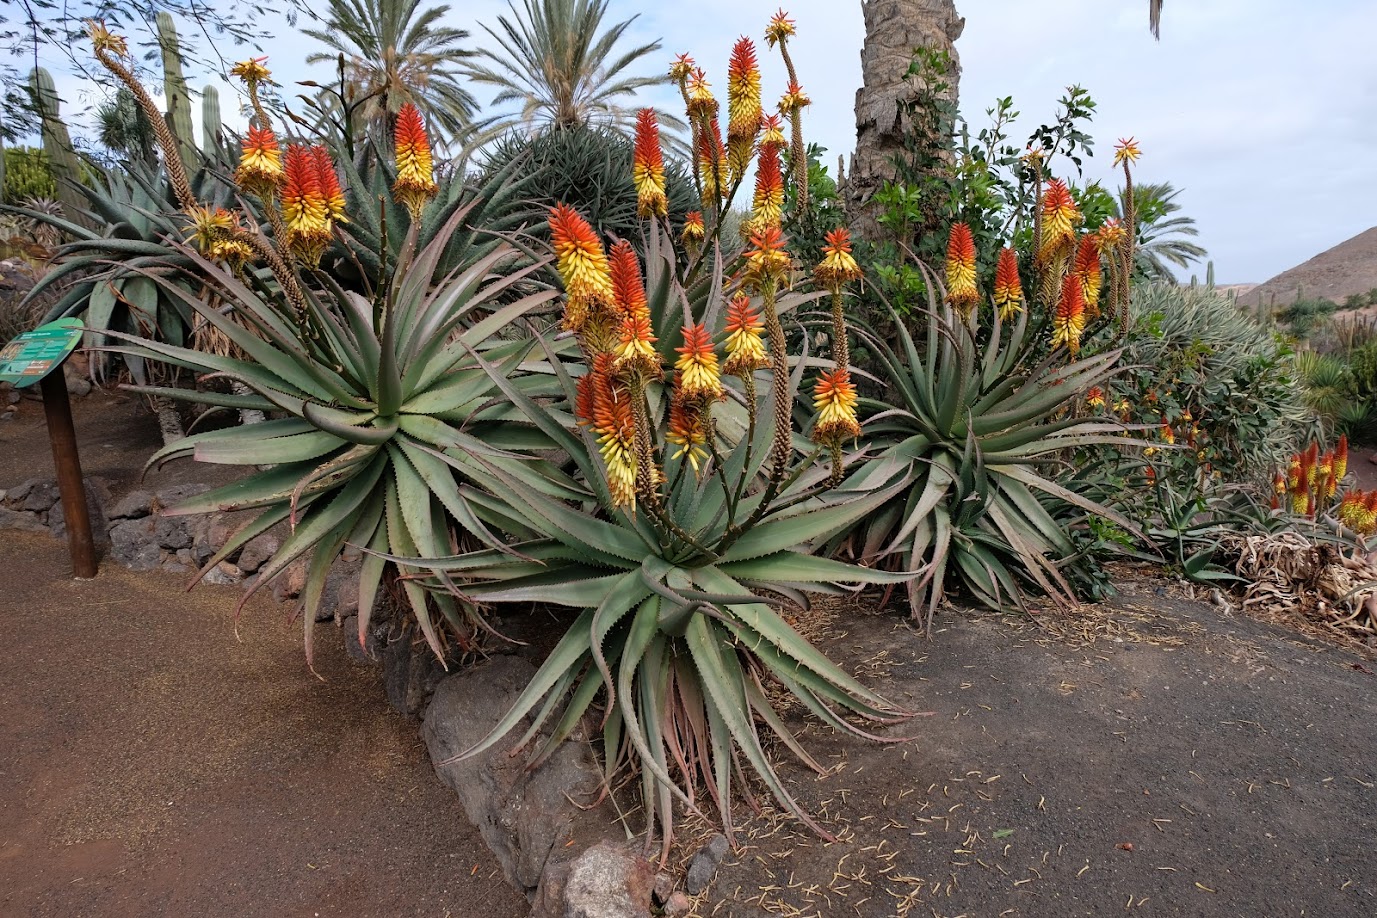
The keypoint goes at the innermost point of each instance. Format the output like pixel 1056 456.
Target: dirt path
pixel 151 764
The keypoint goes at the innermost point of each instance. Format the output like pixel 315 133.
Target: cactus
pixel 2 161
pixel 174 86
pixel 63 162
pixel 211 129
pixel 1209 275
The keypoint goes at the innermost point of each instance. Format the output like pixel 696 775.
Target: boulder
pixel 21 521
pixel 704 865
pixel 525 815
pixel 608 881
pixel 410 670
pixel 223 574
pixel 39 496
pixel 135 504
pixel 97 496
pixel 257 551
pixel 173 532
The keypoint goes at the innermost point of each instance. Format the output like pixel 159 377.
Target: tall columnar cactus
pixel 57 144
pixel 211 128
pixel 174 87
pixel 1209 275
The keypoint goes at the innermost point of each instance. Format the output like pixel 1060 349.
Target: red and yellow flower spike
pixel 104 40
pixel 793 100
pixel 1110 236
pixel 614 423
pixel 1095 398
pixel 635 346
pixel 838 266
pixel 745 343
pixel 768 204
pixel 961 290
pixel 1341 458
pixel 699 377
pixel 252 71
pixel 415 184
pixel 711 156
pixel 260 164
pixel 1059 219
pixel 1008 288
pixel 743 107
pixel 681 68
pixel 648 167
pixel 686 430
pixel 1068 323
pixel 305 211
pixel 1087 272
pixel 330 189
pixel 834 399
pixel 701 103
pixel 693 233
pixel 582 266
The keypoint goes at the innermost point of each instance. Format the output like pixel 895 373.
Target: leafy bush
pixel 27 175
pixel 1206 370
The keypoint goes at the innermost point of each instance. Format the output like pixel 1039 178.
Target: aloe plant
pixel 385 409
pixel 972 430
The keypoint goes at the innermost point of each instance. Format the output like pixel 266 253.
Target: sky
pixel 1263 112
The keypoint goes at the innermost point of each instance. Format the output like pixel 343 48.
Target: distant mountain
pixel 1350 267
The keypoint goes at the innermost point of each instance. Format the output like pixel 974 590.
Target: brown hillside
pixel 1350 267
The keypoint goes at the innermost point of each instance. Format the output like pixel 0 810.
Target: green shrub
pixel 1206 369
pixel 1304 316
pixel 27 175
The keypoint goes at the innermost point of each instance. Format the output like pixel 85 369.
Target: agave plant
pixel 386 405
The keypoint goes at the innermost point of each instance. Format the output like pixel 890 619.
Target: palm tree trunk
pixel 893 28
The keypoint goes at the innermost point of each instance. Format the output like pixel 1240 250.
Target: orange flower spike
pixel 838 266
pixel 636 347
pixel 1068 324
pixel 635 341
pixel 1312 463
pixel 794 99
pixel 1095 397
pixel 615 424
pixel 628 291
pixel 1110 235
pixel 1087 271
pixel 686 430
pixel 329 184
pixel 961 291
pixel 1008 289
pixel 834 399
pixel 1168 434
pixel 1293 474
pixel 582 265
pixel 768 204
pixel 1341 458
pixel 1059 219
pixel 711 160
pixel 1350 508
pixel 743 106
pixel 1328 480
pixel 699 377
pixel 583 399
pixel 415 183
pixel 648 167
pixel 260 164
pixel 745 338
pixel 304 208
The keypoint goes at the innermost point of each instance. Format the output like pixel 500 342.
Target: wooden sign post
pixel 37 357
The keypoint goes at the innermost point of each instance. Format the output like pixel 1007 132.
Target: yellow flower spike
pixel 1126 151
pixel 769 261
pixel 838 266
pixel 834 399
pixel 681 68
pixel 701 103
pixel 961 289
pixel 780 28
pixel 208 226
pixel 260 164
pixel 105 40
pixel 699 377
pixel 772 132
pixel 1110 236
pixel 330 190
pixel 745 344
pixel 686 430
pixel 743 107
pixel 614 423
pixel 1095 398
pixel 1059 219
pixel 635 345
pixel 711 163
pixel 793 100
pixel 252 71
pixel 415 184
pixel 582 266
pixel 648 167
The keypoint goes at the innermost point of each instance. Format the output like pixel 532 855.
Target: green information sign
pixel 35 354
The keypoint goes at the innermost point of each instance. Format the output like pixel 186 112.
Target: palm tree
pixel 1155 18
pixel 1154 205
pixel 396 52
pixel 556 66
